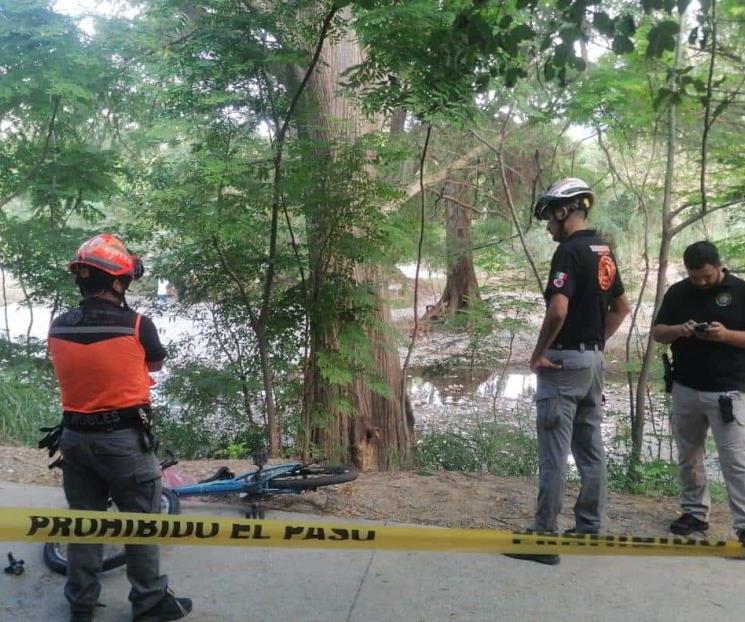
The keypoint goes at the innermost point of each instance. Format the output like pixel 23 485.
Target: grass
pixel 487 447
pixel 28 400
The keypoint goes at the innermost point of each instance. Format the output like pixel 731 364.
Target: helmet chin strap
pixel 562 230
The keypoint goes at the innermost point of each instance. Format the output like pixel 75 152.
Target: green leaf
pixel 561 53
pixel 622 45
pixel 578 63
pixel 661 38
pixel 625 25
pixel 603 23
pixel 692 36
pixel 651 5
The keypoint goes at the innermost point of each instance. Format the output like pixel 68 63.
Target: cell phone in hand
pixel 701 327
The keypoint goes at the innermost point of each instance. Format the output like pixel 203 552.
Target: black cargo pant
pixel 99 465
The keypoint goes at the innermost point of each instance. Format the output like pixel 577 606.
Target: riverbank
pixel 444 498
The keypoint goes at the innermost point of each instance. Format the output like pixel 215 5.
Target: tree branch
pixel 707 108
pixel 696 217
pixel 508 194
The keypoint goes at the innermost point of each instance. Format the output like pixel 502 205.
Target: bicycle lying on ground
pixel 252 487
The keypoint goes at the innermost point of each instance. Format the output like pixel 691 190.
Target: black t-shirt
pixel 99 312
pixel 706 365
pixel 584 270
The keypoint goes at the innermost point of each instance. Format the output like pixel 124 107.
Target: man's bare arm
pixel 619 309
pixel 667 333
pixel 553 320
pixel 718 332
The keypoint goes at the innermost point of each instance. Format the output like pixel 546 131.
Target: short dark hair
pixel 573 204
pixel 700 254
pixel 97 281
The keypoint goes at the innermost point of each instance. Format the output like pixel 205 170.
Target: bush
pixel 448 452
pixel 656 478
pixel 493 448
pixel 28 399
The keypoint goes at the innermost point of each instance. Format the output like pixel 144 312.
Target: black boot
pixel 687 524
pixel 168 608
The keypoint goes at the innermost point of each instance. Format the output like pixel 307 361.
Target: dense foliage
pixel 277 161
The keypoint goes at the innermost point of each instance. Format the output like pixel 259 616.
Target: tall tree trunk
pixel 5 304
pixel 462 287
pixel 348 422
pixel 639 418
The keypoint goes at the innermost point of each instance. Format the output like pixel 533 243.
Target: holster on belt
pixel 668 373
pixel 150 442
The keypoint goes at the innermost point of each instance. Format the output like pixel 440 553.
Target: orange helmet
pixel 109 254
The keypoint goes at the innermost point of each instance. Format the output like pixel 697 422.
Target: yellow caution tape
pixel 45 525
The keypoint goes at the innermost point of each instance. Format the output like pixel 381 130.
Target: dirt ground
pixel 448 499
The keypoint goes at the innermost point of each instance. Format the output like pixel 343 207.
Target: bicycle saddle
pixel 222 473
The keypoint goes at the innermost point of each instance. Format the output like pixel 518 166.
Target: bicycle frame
pixel 252 483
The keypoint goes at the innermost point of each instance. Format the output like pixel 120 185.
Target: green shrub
pixel 656 478
pixel 493 448
pixel 447 451
pixel 28 399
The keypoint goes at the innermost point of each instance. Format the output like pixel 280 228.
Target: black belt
pixel 106 421
pixel 581 347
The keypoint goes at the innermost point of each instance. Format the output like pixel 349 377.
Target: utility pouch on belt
pixel 668 373
pixel 725 408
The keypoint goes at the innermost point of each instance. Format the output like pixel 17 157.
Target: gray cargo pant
pixel 98 465
pixel 693 413
pixel 568 408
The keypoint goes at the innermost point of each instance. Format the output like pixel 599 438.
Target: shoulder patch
pixel 74 317
pixel 724 299
pixel 600 249
pixel 606 272
pixel 560 278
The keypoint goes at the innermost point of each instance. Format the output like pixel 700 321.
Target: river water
pixel 443 400
pixel 460 398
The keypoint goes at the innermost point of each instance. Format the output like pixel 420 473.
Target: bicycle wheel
pixel 55 557
pixel 314 476
pixel 169 502
pixel 55 553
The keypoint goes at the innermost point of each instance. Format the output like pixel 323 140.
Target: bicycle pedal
pixel 16 566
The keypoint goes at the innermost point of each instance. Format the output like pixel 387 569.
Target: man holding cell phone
pixel 703 318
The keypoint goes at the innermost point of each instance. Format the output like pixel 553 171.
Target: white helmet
pixel 567 188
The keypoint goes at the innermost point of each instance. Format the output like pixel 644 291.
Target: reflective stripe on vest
pixel 105 375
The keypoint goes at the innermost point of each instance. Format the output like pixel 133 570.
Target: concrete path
pixel 247 585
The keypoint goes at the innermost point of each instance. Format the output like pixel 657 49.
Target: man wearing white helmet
pixel 585 305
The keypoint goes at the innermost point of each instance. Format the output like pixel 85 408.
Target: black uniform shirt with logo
pixel 584 270
pixel 699 364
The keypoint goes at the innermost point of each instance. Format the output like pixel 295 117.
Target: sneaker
pixel 548 560
pixel 572 531
pixel 169 608
pixel 687 524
